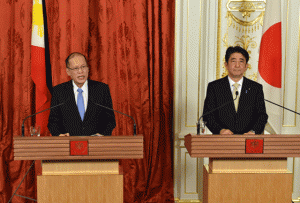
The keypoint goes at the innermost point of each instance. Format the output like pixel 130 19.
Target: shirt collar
pixel 84 86
pixel 231 82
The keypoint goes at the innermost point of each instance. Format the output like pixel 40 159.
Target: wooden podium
pixel 79 169
pixel 245 168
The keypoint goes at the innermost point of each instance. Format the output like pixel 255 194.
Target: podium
pixel 79 169
pixel 245 168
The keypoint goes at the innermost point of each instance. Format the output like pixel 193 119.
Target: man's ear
pixel 226 65
pixel 68 71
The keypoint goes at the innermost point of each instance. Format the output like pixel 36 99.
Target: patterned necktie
pixel 80 103
pixel 236 102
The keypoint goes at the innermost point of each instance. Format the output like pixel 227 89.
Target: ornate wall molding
pixel 242 22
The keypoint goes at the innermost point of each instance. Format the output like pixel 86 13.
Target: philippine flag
pixel 38 65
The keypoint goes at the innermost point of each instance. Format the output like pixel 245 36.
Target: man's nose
pixel 80 69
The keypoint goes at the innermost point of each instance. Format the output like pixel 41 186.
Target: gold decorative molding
pixel 199 62
pixel 296 200
pixel 244 19
pixel 296 104
pixel 186 64
pixel 246 41
pixel 176 117
pixel 246 6
pixel 246 23
pixel 286 38
pixel 219 39
pixel 187 67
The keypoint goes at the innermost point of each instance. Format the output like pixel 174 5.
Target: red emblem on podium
pixel 254 146
pixel 78 148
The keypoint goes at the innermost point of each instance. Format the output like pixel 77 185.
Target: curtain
pixel 16 96
pixel 129 45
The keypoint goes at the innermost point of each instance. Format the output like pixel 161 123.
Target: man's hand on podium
pixel 250 133
pixel 226 132
pixel 67 135
pixel 97 134
pixel 64 135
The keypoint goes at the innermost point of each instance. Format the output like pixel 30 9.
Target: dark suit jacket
pixel 251 114
pixel 66 118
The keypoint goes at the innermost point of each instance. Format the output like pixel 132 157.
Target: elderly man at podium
pixel 78 110
pixel 235 104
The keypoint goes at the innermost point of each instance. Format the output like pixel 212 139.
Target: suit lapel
pixel 89 110
pixel 243 96
pixel 71 103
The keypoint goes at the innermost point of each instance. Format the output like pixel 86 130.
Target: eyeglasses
pixel 77 69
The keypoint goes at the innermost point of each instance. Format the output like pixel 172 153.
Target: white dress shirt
pixel 240 82
pixel 84 93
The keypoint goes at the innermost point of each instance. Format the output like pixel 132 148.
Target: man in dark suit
pixel 246 114
pixel 79 114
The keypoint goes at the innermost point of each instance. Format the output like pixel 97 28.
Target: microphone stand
pixel 198 123
pixel 20 185
pixel 33 160
pixel 134 124
pixel 282 107
pixel 37 113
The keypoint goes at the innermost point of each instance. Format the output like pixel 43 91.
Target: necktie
pixel 236 102
pixel 80 103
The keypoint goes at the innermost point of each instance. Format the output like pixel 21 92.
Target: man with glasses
pixel 79 113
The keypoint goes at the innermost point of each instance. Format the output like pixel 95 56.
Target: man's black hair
pixel 237 49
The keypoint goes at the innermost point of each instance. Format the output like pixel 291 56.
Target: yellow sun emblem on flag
pixel 37 17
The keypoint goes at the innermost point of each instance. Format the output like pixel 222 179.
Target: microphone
pixel 198 124
pixel 38 113
pixel 134 124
